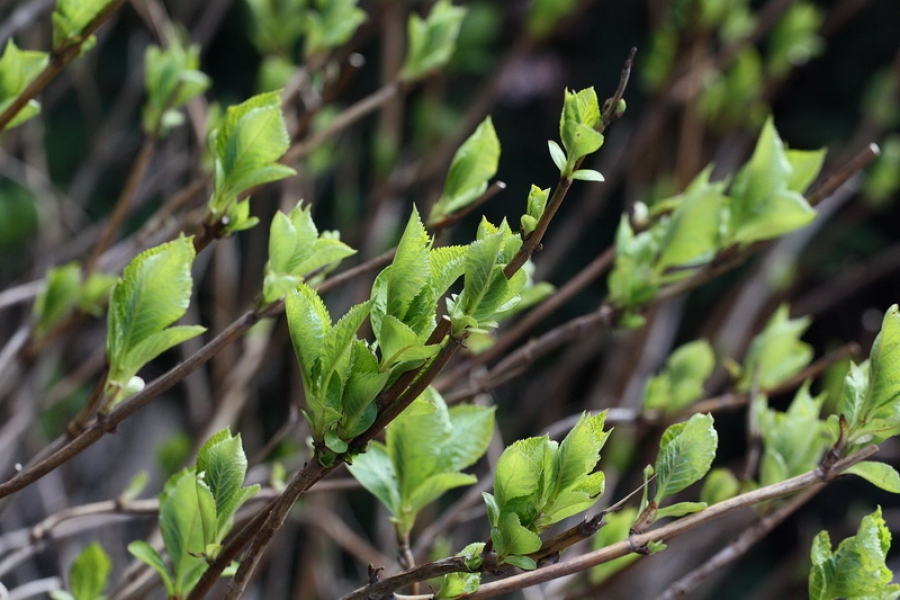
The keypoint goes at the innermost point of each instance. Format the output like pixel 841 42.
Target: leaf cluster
pixel 538 482
pixel 70 18
pixel 764 201
pixel 172 78
pixel 431 40
pixel 856 570
pixel 153 292
pixel 196 512
pixel 17 69
pixel 577 130
pixel 424 451
pixel 681 381
pixel 67 291
pixel 298 250
pixel 247 146
pixel 88 575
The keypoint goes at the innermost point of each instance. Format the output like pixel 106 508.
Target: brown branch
pixel 739 546
pixel 814 479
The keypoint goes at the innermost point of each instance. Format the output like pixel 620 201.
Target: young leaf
pixel 70 19
pixel 223 464
pixel 473 165
pixel 693 230
pixel 764 202
pixel 545 14
pixel 180 522
pixel 878 473
pixel 330 24
pixel 297 249
pixel 686 452
pixel 154 292
pixel 144 552
pixel 17 69
pixel 455 585
pixel 432 40
pixel 857 568
pixel 425 449
pixel 776 353
pixel 681 382
pixel 275 27
pixel 679 509
pixel 580 114
pixel 252 137
pixel 634 279
pixel 172 78
pixel 794 440
pixel 58 298
pixel 88 574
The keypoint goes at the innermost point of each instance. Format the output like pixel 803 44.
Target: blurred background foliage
pixel 707 74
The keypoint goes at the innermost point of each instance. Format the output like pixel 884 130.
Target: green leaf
pixel 686 452
pixel 883 392
pixel 375 471
pixel 587 175
pixel 857 568
pixel 172 78
pixel 558 155
pixel 70 19
pixel 764 203
pixel 431 40
pixel 58 298
pixel 693 230
pixel 720 484
pixel 456 584
pixel 473 165
pixel 330 24
pixel 681 382
pixel 181 524
pixel 544 15
pixel 794 440
pixel 308 321
pixel 634 279
pixel 17 69
pixel 224 465
pixel 580 114
pixel 275 27
pixel 89 573
pixel 878 473
pixel 679 509
pixel 616 529
pixel 252 137
pixel 148 555
pixel 363 384
pixel 154 291
pixel 511 538
pixel 523 562
pixel 579 451
pixel 776 354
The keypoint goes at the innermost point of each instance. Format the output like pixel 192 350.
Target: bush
pixel 178 177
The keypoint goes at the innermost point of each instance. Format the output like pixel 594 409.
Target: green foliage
pixel 297 250
pixel 544 15
pixel 486 290
pixel 70 18
pixel 87 576
pixel 580 116
pixel 455 585
pixel 432 40
pixel 767 194
pixel 879 474
pixel 196 512
pixel 776 353
pixel 172 78
pixel 17 69
pixel 250 140
pixel 871 400
pixel 538 482
pixel 633 280
pixel 616 526
pixel 406 293
pixel 720 484
pixel 734 98
pixel 795 440
pixel 330 24
pixel 681 382
pixel 883 181
pixel 425 449
pixel 275 27
pixel 65 292
pixel 794 40
pixel 473 165
pixel 686 452
pixel 537 202
pixel 856 570
pixel 153 293
pixel 340 372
